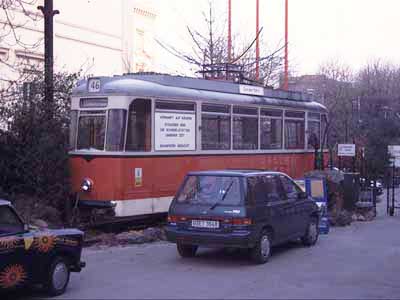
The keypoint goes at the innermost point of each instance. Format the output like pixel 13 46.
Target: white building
pixel 98 37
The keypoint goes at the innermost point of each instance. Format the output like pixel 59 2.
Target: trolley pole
pixel 229 31
pixel 286 72
pixel 257 40
pixel 48 14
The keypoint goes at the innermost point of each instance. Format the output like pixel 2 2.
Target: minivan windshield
pixel 208 190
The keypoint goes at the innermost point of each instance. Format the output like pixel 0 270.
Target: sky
pixel 353 32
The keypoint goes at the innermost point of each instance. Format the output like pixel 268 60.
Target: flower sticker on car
pixel 12 276
pixel 8 243
pixel 45 243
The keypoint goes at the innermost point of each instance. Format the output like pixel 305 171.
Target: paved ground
pixel 359 261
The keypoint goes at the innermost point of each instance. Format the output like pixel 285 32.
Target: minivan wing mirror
pixel 302 195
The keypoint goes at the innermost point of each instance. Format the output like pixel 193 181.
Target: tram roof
pixel 187 88
pixel 4 202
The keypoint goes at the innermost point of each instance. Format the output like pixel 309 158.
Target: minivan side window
pixel 291 190
pixel 264 189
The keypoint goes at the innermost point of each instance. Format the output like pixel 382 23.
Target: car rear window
pixel 207 190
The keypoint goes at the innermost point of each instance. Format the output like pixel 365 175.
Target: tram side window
pixel 324 122
pixel 139 126
pixel 215 127
pixel 116 130
pixel 245 128
pixel 271 129
pixel 314 130
pixel 91 130
pixel 294 130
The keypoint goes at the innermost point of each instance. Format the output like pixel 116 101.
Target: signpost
pixel 394 152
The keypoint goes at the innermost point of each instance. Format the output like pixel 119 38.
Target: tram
pixel 134 137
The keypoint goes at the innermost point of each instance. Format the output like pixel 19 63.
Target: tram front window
pixel 91 131
pixel 116 130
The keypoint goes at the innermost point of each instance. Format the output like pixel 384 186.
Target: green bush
pixel 34 145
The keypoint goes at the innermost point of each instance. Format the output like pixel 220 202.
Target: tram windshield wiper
pixel 223 196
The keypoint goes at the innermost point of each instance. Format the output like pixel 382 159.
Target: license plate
pixel 205 224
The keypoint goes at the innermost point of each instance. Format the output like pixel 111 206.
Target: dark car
pixel 36 257
pixel 240 209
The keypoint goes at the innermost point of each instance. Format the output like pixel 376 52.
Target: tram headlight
pixel 87 185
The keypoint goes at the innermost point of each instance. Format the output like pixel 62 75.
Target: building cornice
pixel 144 12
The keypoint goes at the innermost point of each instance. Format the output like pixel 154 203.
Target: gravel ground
pixel 358 261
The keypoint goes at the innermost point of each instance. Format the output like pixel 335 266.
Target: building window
pixel 215 127
pixel 245 128
pixel 271 129
pixel 3 54
pixel 294 130
pixel 139 126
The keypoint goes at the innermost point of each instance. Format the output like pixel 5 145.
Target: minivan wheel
pixel 310 238
pixel 262 251
pixel 186 250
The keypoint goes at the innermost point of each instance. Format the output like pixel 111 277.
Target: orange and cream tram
pixel 134 137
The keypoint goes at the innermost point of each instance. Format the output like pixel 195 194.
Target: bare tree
pixel 10 23
pixel 209 47
pixel 337 91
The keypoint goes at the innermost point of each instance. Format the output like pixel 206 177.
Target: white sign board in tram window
pixel 175 131
pixel 346 150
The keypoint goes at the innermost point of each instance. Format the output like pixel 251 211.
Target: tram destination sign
pixel 251 90
pixel 346 150
pixel 175 131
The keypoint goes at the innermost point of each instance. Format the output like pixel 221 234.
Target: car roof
pixel 4 202
pixel 234 172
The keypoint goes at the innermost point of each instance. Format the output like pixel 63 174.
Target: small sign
pixel 138 177
pixel 251 90
pixel 94 85
pixel 346 150
pixel 394 152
